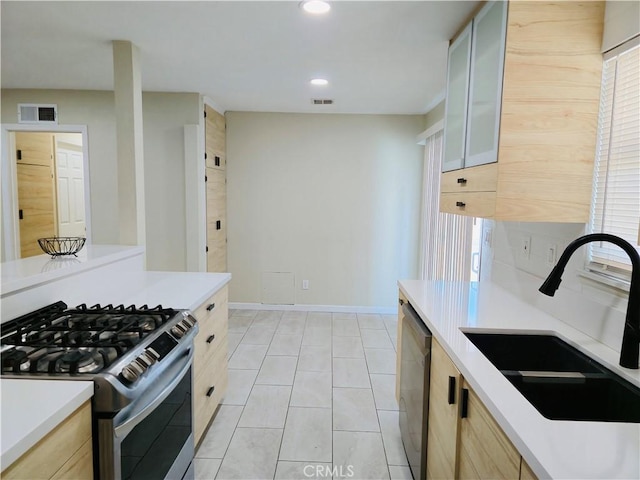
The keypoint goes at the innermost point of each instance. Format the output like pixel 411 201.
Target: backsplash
pixel 517 257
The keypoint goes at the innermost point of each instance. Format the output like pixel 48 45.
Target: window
pixel 616 192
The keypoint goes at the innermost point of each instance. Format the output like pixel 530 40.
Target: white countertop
pixel 33 408
pixel 170 289
pixel 552 448
pixel 29 272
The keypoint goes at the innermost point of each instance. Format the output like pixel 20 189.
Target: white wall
pixel 164 117
pixel 96 110
pixel 164 114
pixel 621 22
pixel 590 307
pixel 333 199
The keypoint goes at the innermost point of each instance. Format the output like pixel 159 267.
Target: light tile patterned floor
pixel 309 394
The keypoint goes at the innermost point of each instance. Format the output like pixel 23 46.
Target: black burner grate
pixel 85 339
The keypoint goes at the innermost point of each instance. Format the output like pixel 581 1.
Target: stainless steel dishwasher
pixel 415 358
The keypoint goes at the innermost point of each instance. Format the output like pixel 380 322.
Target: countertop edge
pixel 12 286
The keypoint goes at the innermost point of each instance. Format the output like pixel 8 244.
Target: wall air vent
pixel 321 101
pixel 37 113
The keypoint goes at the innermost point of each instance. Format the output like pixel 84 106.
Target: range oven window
pixel 150 449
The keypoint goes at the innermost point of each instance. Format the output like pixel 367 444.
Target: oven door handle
pixel 122 430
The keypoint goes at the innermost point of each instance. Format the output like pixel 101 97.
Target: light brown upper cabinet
pixel 215 161
pixel 524 147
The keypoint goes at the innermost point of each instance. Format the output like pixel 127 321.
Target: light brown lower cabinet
pixel 464 440
pixel 65 453
pixel 210 360
pixel 442 435
pixel 484 450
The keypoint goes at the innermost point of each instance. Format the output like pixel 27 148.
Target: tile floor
pixel 310 394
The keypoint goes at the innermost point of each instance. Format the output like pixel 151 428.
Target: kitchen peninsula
pixel 108 275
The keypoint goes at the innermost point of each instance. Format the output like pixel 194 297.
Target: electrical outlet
pixel 551 255
pixel 305 284
pixel 488 237
pixel 525 247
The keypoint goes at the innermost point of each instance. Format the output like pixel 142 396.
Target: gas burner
pixel 15 360
pixel 78 361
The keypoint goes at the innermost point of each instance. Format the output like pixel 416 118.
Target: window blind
pixel 445 238
pixel 616 192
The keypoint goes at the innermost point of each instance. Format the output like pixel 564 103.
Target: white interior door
pixel 70 183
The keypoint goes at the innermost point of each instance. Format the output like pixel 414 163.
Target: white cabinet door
pixel 485 88
pixel 456 106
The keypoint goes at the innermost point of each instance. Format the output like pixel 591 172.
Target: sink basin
pixel 532 352
pixel 598 398
pixel 561 382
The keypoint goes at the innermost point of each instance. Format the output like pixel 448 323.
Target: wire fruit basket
pixel 58 246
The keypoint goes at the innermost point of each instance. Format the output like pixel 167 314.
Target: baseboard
pixel 314 308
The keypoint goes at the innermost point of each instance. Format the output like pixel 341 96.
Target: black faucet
pixel 631 336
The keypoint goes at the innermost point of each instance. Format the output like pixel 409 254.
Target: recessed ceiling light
pixel 319 81
pixel 315 6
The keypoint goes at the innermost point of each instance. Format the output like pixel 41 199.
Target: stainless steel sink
pixel 561 382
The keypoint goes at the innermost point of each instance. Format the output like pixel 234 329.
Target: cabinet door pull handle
pixel 465 403
pixel 401 301
pixel 217 160
pixel 210 338
pixel 460 204
pixel 218 224
pixel 452 390
pixel 211 306
pixel 462 180
pixel 210 391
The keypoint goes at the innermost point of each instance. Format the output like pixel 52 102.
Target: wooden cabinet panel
pixel 210 359
pixel 475 204
pixel 215 160
pixel 36 200
pixel 79 466
pixel 216 221
pixel 35 148
pixel 208 389
pixel 525 471
pixel 443 423
pixel 476 179
pixel 212 333
pixel 215 141
pixel 485 452
pixel 63 453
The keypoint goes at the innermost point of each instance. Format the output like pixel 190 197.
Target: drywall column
pixel 127 86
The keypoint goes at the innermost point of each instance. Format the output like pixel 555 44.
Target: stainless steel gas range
pixel 140 360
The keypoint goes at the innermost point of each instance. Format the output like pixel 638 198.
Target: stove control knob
pixel 189 319
pixel 185 325
pixel 131 372
pixel 178 331
pixel 144 361
pixel 147 358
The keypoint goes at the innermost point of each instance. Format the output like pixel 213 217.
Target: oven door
pixel 153 437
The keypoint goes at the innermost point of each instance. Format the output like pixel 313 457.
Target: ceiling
pixel 379 57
